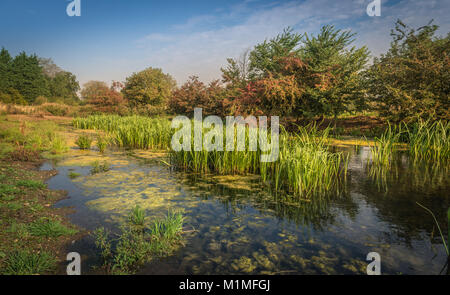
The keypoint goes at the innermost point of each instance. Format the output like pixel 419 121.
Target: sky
pixel 114 38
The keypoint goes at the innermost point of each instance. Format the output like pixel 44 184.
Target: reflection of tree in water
pixel 316 212
pixel 395 191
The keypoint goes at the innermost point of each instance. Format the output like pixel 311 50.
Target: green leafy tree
pixel 412 79
pixel 335 72
pixel 149 87
pixel 64 85
pixel 265 57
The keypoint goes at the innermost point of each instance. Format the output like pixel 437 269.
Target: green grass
pixel 385 147
pixel 101 144
pixel 305 166
pixel 132 131
pixel 33 184
pixel 46 227
pixel 29 263
pixel 429 140
pixel 7 190
pixel 84 142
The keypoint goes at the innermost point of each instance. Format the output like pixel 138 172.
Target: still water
pixel 236 226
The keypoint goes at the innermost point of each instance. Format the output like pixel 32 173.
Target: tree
pixel 5 70
pixel 335 70
pixel 104 98
pixel 92 89
pixel 412 79
pixel 196 94
pixel 149 87
pixel 64 85
pixel 265 57
pixel 27 77
pixel 237 72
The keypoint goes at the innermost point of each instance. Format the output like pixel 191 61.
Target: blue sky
pixel 114 38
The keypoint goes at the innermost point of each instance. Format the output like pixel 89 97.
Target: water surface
pixel 236 226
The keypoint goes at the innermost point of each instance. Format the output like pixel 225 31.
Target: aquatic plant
pixel 84 142
pixel 385 146
pixel 73 175
pixel 429 140
pixel 438 227
pixel 101 143
pixel 137 216
pixel 305 165
pixel 137 245
pixel 98 167
pixel 132 131
pixel 58 145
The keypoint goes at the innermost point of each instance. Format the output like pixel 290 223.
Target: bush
pixel 56 109
pixel 40 100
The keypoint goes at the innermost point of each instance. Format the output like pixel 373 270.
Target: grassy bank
pixel 33 235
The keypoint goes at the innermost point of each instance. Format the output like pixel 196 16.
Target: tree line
pixel 28 79
pixel 292 75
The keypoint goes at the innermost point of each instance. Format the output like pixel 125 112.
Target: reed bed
pixel 429 141
pixel 131 132
pixel 384 149
pixel 305 167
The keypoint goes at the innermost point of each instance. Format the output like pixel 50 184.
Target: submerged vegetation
pixel 139 241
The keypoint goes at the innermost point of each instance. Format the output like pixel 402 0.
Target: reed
pixel 305 166
pixel 385 146
pixel 429 140
pixel 132 131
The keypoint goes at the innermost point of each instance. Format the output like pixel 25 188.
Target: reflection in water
pixel 241 228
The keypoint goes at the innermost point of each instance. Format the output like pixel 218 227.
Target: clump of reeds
pixel 84 142
pixel 132 131
pixel 384 149
pixel 429 140
pixel 305 167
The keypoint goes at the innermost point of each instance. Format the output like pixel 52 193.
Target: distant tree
pixel 5 70
pixel 237 71
pixel 27 77
pixel 64 85
pixel 412 79
pixel 104 98
pixel 196 94
pixel 265 57
pixel 92 89
pixel 149 87
pixel 49 68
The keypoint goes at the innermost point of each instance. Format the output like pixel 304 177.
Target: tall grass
pixel 305 167
pixel 131 132
pixel 385 147
pixel 429 140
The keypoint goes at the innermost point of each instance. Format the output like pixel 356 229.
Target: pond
pixel 236 226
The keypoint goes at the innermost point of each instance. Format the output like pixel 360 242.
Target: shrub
pixel 56 109
pixel 40 100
